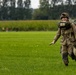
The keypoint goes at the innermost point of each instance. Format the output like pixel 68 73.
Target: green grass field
pixel 29 53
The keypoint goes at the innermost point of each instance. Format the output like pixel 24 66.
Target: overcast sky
pixel 34 3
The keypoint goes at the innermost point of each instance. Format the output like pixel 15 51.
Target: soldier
pixel 66 30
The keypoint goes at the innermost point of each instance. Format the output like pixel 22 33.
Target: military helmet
pixel 64 15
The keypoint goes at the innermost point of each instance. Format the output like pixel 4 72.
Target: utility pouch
pixel 64 25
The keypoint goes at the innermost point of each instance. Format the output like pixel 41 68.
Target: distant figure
pixel 3 29
pixel 66 30
pixel 6 29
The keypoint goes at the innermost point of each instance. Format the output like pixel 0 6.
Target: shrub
pixel 29 25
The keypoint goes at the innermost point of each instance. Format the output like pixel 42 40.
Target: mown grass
pixel 29 53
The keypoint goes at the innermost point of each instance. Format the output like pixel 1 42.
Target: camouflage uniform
pixel 66 30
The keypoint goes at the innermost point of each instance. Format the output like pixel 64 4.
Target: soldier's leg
pixel 70 52
pixel 64 53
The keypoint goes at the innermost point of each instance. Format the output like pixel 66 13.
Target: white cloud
pixel 34 3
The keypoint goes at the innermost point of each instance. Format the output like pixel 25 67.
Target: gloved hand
pixel 52 43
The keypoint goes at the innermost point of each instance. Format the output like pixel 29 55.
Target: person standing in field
pixel 66 30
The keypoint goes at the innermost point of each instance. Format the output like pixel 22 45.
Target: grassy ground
pixel 29 53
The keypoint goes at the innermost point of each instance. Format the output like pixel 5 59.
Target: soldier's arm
pixel 56 37
pixel 74 30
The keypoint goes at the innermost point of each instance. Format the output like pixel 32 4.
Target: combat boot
pixel 65 58
pixel 66 64
pixel 75 58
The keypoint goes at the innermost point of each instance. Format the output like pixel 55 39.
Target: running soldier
pixel 66 30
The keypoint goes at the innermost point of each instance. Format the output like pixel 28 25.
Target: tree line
pixel 48 9
pixel 51 9
pixel 15 9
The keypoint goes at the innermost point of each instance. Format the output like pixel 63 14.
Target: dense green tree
pixel 28 11
pixel 15 9
pixel 51 9
pixel 43 12
pixel 27 4
pixel 4 9
pixel 20 3
pixel 48 9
